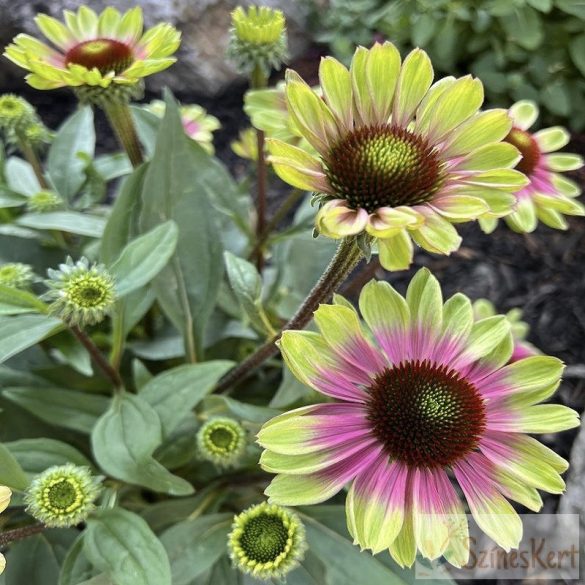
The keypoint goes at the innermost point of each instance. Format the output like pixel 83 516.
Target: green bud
pixel 16 275
pixel 222 441
pixel 44 201
pixel 15 113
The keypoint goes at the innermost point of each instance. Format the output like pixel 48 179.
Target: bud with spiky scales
pixel 44 201
pixel 222 441
pixel 16 275
pixel 82 294
pixel 15 113
pixel 267 541
pixel 62 496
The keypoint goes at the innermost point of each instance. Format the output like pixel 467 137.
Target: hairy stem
pixel 20 533
pixel 120 118
pixel 343 262
pixel 98 357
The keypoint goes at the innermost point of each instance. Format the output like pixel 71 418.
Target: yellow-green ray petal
pixel 336 85
pixel 396 252
pixel 552 139
pixel 382 71
pixel 55 31
pixel 564 162
pixel 524 113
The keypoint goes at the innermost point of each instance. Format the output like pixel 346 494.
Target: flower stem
pixel 31 156
pixel 118 337
pixel 279 215
pixel 20 533
pixel 120 118
pixel 343 262
pixel 259 80
pixel 98 357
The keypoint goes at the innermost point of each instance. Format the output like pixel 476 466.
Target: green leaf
pixel 70 351
pixel 241 410
pixel 21 177
pixel 143 258
pixel 247 286
pixel 112 166
pixel 575 7
pixel 65 169
pixel 423 29
pixel 577 51
pixel 23 331
pixel 11 473
pixel 124 440
pixel 121 226
pixel 36 455
pixel 36 560
pixel 72 222
pixel 173 189
pixel 524 27
pixel 290 391
pixel 76 568
pixel 147 127
pixel 21 299
pixel 174 393
pixel 70 409
pixel 122 545
pixel 10 198
pixel 194 546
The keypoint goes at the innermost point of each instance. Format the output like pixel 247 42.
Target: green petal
pixel 296 167
pixel 302 464
pixel 361 93
pixel 336 85
pixel 384 308
pixel 416 77
pixel 483 128
pixel 291 433
pixel 87 22
pixel 302 490
pixel 55 31
pixel 518 490
pixel 488 224
pixel 566 186
pixel 457 317
pixel 131 25
pixel 426 111
pixel 500 203
pixel 463 207
pixel 458 103
pixel 425 300
pixel 302 350
pixel 551 139
pixel 559 203
pixel 108 22
pixel 73 25
pixel 403 549
pixel 485 336
pixel 564 162
pixel 523 218
pixel 533 379
pixel 524 113
pixel 502 178
pixel 500 155
pixel 547 418
pixel 382 71
pixel 396 253
pixel 551 218
pixel 437 235
pixel 310 113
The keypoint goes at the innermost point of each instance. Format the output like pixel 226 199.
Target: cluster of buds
pixel 19 122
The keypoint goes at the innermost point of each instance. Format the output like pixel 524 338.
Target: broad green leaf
pixel 76 568
pixel 241 410
pixel 121 544
pixel 124 440
pixel 290 391
pixel 524 27
pixel 575 7
pixel 21 299
pixel 68 350
pixel 10 198
pixel 23 331
pixel 21 177
pixel 64 168
pixel 36 455
pixel 36 560
pixel 174 393
pixel 112 166
pixel 147 126
pixel 143 258
pixel 121 226
pixel 173 189
pixel 70 409
pixel 11 473
pixel 194 546
pixel 72 222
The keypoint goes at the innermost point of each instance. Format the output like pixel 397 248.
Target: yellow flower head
pixel 94 50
